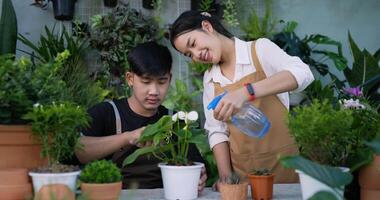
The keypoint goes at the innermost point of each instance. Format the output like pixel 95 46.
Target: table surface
pixel 280 191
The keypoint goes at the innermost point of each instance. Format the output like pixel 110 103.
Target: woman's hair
pixel 150 59
pixel 192 20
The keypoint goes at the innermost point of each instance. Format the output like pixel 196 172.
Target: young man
pixel 117 125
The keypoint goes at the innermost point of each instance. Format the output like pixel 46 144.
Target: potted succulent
pixel 261 181
pixel 57 126
pixel 101 180
pixel 171 137
pixel 232 187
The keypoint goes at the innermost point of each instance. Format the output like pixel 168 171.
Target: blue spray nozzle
pixel 215 101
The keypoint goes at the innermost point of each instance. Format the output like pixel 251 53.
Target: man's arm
pixel 99 147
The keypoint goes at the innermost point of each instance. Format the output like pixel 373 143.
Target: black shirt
pixel 144 172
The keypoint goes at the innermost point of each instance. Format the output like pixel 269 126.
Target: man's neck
pixel 137 108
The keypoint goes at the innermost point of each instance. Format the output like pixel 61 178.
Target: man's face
pixel 149 91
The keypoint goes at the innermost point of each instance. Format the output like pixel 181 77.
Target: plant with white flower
pixel 352 104
pixel 170 137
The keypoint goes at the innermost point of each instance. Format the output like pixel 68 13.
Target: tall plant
pixel 8 28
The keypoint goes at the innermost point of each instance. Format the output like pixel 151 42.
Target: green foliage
pixel 256 28
pixel 365 71
pixel 180 98
pixel 73 72
pixel 230 13
pixel 374 145
pixel 171 138
pixel 323 133
pixel 206 5
pixel 317 91
pixel 323 195
pixel 100 171
pixel 16 97
pixel 261 172
pixel 113 35
pixel 58 127
pixel 8 28
pixel 333 177
pixel 309 51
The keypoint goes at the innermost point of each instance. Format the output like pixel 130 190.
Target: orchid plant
pixel 170 137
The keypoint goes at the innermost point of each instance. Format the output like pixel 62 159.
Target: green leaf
pixel 161 126
pixel 374 145
pixel 142 151
pixel 8 28
pixel 331 176
pixel 323 195
pixel 359 159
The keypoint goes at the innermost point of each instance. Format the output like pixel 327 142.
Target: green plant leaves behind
pixel 323 195
pixel 331 176
pixel 8 28
pixel 374 145
pixel 161 126
pixel 142 151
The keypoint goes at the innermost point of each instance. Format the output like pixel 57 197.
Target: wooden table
pixel 280 191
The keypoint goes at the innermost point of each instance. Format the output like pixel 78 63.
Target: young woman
pixel 257 72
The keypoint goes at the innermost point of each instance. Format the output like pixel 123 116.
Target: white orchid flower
pixel 192 116
pixel 175 117
pixel 36 105
pixel 181 115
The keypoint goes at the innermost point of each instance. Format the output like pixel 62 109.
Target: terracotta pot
pixel 56 192
pixel 16 192
pixel 18 149
pixel 261 186
pixel 14 176
pixel 107 191
pixel 369 180
pixel 233 191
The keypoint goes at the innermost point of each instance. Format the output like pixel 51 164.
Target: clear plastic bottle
pixel 250 120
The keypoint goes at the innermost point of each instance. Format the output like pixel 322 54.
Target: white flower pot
pixel 310 186
pixel 41 179
pixel 181 182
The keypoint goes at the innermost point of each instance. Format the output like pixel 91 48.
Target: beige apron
pixel 250 153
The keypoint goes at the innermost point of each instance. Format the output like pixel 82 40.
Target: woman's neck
pixel 228 58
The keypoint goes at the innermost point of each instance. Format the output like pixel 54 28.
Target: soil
pixel 56 168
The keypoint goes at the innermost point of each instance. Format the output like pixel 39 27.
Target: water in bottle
pixel 249 119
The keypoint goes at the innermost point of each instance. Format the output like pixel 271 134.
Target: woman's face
pixel 201 45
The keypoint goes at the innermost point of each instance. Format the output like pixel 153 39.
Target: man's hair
pixel 150 59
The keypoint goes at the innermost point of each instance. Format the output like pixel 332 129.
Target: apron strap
pixel 117 116
pixel 255 58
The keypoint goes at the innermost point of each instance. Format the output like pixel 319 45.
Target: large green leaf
pixel 374 145
pixel 161 126
pixel 8 28
pixel 331 176
pixel 323 195
pixel 145 150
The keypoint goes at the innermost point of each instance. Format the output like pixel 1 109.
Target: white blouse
pixel 272 59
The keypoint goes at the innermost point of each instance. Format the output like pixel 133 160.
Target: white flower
pixel 352 104
pixel 36 105
pixel 175 117
pixel 181 115
pixel 192 116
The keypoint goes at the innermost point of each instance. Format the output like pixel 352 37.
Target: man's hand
pixel 202 180
pixel 135 135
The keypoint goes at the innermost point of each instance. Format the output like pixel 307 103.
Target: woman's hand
pixel 230 104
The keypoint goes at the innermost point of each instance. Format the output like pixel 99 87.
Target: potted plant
pixel 63 9
pixel 110 3
pixel 232 187
pixel 148 4
pixel 171 136
pixel 261 181
pixel 57 126
pixel 101 180
pixel 369 175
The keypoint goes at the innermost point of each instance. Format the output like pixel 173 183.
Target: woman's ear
pixel 206 26
pixel 129 78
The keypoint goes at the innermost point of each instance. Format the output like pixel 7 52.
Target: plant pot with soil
pixel 261 181
pixel 101 180
pixel 232 187
pixel 171 137
pixel 57 126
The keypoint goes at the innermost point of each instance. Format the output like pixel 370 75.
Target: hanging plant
pixel 110 3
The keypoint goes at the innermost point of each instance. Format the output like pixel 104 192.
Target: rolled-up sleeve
pixel 275 59
pixel 217 131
